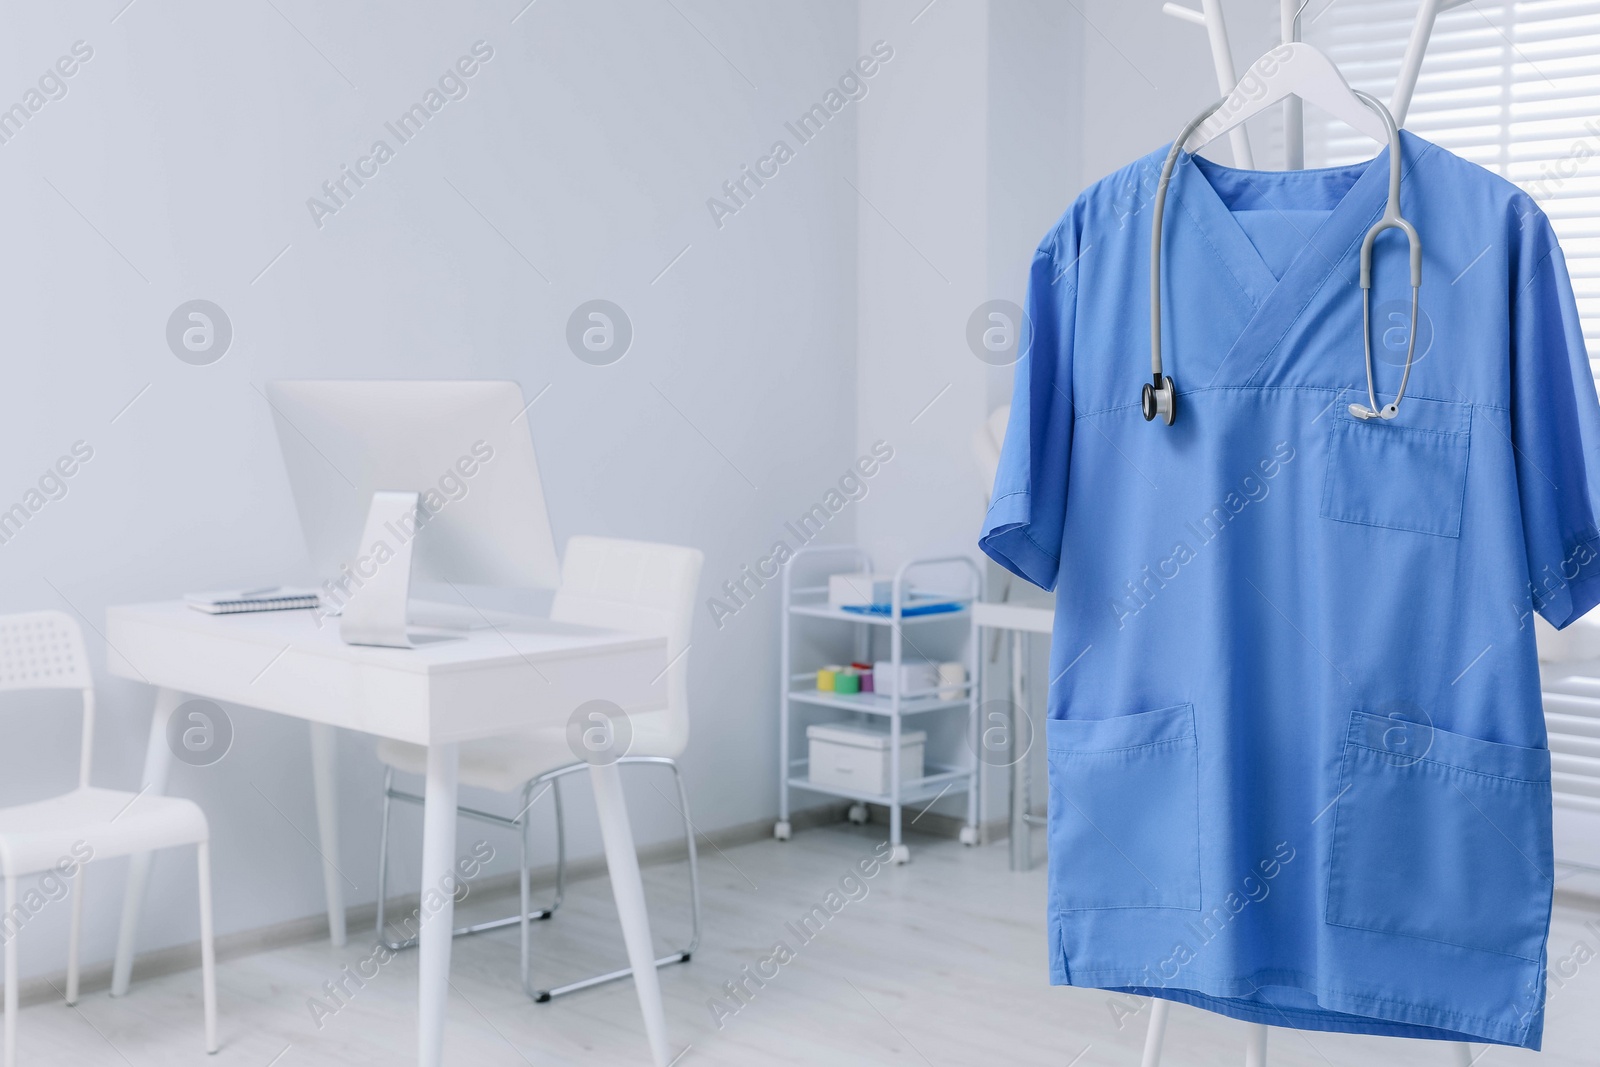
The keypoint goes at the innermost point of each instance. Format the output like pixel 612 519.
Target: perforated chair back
pixel 641 587
pixel 44 650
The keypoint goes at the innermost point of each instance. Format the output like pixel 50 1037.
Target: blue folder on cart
pixel 938 608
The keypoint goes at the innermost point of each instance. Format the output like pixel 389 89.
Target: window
pixel 1514 87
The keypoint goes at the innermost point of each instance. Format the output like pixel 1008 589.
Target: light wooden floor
pixel 941 964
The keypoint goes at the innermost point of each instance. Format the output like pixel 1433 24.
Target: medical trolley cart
pixel 806 611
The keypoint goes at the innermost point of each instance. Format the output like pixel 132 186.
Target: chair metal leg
pixel 561 843
pixel 75 935
pixel 526 913
pixel 11 975
pixel 694 860
pixel 544 996
pixel 528 800
pixel 208 956
pixel 519 823
pixel 522 885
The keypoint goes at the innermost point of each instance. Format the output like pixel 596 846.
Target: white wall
pixel 178 166
pixel 1035 141
pixel 1145 74
pixel 970 157
pixel 828 312
pixel 922 269
pixel 922 223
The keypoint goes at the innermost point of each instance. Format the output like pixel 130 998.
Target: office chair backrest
pixel 641 587
pixel 44 650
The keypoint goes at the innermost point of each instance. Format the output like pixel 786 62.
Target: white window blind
pixel 1514 87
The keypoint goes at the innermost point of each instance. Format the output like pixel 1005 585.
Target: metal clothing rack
pixel 1210 17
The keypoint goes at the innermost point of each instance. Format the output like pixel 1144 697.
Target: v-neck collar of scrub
pixel 1279 302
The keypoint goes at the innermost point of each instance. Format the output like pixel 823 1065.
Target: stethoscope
pixel 1160 397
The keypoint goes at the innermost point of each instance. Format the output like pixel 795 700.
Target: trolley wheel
pixel 781 830
pixel 858 814
pixel 969 835
pixel 900 854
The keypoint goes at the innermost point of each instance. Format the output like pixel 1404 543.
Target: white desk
pixel 1019 620
pixel 482 684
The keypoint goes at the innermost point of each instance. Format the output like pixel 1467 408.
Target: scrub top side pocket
pixel 1406 473
pixel 1441 836
pixel 1125 811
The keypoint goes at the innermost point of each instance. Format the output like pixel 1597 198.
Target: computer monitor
pixel 462 446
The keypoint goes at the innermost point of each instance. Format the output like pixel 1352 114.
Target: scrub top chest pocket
pixel 1406 473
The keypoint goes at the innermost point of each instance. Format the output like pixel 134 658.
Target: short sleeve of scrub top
pixel 1024 526
pixel 1556 433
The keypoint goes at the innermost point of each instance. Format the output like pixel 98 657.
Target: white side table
pixel 1020 621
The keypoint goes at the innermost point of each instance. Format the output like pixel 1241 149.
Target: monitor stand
pixel 376 612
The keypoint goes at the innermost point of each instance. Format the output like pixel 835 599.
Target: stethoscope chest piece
pixel 1160 397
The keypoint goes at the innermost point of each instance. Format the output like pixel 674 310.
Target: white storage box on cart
pixel 914 676
pixel 858 590
pixel 857 759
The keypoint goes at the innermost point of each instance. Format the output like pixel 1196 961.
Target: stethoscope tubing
pixel 1160 397
pixel 1155 232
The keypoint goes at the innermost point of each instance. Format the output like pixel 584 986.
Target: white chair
pixel 620 585
pixel 44 650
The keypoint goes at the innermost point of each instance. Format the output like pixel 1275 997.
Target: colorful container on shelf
pixel 848 681
pixel 865 671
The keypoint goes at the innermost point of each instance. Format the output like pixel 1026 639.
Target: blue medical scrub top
pixel 1298 767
